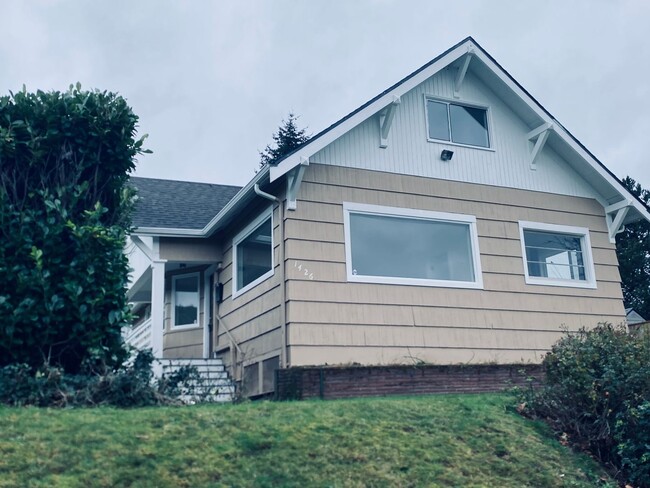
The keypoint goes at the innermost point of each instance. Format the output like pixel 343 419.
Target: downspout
pixel 283 284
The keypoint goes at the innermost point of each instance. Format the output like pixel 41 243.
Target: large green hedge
pixel 64 214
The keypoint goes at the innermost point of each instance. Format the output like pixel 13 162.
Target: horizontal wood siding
pixel 254 317
pixel 332 321
pixel 506 164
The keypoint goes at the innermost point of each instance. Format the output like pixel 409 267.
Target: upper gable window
pixel 460 124
pixel 253 253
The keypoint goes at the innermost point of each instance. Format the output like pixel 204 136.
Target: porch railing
pixel 140 335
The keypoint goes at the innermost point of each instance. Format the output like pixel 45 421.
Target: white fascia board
pixel 327 138
pixel 467 47
pixel 206 231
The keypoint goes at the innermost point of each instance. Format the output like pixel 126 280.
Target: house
pixel 450 219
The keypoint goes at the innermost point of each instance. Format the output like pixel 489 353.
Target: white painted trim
pixel 311 148
pixel 462 71
pixel 249 229
pixel 587 255
pixel 463 103
pixel 410 213
pixel 386 121
pixel 207 298
pixel 197 324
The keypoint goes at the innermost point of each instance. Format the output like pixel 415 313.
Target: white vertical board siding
pixel 506 164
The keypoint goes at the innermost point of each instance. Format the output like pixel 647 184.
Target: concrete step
pixel 214 384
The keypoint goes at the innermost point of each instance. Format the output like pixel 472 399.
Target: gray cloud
pixel 212 80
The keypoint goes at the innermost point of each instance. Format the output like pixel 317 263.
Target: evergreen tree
pixel 288 138
pixel 633 251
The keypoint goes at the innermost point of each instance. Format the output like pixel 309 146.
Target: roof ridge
pixel 182 181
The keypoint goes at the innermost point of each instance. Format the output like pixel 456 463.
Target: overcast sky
pixel 211 80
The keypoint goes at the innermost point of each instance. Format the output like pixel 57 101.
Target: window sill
pixel 530 280
pixel 252 284
pixel 477 285
pixel 184 327
pixel 457 144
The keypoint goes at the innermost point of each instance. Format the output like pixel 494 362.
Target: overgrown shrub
pixel 64 214
pixel 127 386
pixel 597 393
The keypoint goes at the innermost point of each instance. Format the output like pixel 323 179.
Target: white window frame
pixel 587 256
pixel 173 301
pixel 408 213
pixel 488 115
pixel 248 230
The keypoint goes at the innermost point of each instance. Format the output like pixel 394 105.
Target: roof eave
pixel 215 223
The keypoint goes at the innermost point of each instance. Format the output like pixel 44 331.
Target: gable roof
pixel 504 85
pixel 488 70
pixel 170 204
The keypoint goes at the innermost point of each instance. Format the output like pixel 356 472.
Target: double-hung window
pixel 185 300
pixel 457 123
pixel 411 247
pixel 557 255
pixel 253 254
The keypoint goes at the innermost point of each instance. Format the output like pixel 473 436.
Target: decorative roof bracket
pixel 462 71
pixel 386 120
pixel 615 215
pixel 541 135
pixel 135 239
pixel 294 180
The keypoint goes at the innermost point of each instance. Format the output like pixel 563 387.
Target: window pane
pixel 186 300
pixel 552 255
pixel 254 255
pixel 401 247
pixel 438 121
pixel 469 125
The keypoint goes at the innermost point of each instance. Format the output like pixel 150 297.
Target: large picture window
pixel 457 123
pixel 253 253
pixel 557 255
pixel 411 247
pixel 185 300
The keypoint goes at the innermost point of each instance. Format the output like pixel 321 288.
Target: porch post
pixel 157 306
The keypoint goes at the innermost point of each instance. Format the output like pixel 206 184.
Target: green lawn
pixel 455 440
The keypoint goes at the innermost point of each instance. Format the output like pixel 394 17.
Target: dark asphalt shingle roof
pixel 178 204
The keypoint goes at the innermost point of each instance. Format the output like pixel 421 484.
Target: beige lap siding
pixel 332 321
pixel 254 317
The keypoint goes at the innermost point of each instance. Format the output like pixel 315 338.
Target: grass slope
pixel 459 440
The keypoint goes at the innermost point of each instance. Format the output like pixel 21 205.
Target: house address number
pixel 303 269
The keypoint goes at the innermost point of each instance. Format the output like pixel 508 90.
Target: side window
pixel 557 255
pixel 253 254
pixel 411 247
pixel 185 300
pixel 457 123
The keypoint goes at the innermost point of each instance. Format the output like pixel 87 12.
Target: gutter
pixel 283 283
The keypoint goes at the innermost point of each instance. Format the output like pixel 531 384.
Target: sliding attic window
pixel 456 123
pixel 253 254
pixel 411 247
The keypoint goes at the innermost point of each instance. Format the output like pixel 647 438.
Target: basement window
pixel 557 255
pixel 457 123
pixel 185 300
pixel 253 253
pixel 411 247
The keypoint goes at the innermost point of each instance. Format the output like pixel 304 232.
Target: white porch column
pixel 157 306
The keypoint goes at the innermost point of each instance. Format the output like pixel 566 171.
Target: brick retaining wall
pixel 330 382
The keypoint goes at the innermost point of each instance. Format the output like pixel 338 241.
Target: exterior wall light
pixel 446 155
